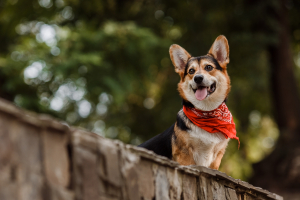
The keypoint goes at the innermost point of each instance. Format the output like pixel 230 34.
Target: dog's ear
pixel 179 57
pixel 220 50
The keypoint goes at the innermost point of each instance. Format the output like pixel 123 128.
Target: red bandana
pixel 218 120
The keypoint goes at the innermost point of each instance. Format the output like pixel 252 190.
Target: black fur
pixel 187 104
pixel 186 66
pixel 218 67
pixel 181 124
pixel 161 144
pixel 208 57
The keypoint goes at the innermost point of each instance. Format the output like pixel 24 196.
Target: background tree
pixel 284 175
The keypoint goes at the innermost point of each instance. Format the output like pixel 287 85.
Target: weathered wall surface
pixel 41 158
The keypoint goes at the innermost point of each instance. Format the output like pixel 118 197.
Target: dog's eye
pixel 191 71
pixel 208 68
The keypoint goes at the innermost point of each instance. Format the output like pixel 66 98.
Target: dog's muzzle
pixel 202 91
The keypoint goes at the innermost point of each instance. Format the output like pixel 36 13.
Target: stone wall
pixel 42 158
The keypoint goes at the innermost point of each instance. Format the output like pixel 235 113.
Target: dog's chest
pixel 205 145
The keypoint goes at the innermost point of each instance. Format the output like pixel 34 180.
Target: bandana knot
pixel 218 120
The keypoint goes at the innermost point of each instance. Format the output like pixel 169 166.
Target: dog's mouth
pixel 203 91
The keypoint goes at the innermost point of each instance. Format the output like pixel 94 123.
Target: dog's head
pixel 204 79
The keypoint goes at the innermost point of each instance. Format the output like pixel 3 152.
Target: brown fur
pixel 180 90
pixel 223 63
pixel 181 67
pixel 216 163
pixel 181 148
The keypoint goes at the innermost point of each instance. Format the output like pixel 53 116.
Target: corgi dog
pixel 204 126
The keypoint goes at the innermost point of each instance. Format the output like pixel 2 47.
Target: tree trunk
pixel 280 171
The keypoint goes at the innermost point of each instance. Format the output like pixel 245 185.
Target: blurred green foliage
pixel 104 65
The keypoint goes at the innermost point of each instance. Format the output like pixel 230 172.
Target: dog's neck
pixel 187 104
pixel 190 105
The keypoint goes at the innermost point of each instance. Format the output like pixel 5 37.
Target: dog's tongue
pixel 201 93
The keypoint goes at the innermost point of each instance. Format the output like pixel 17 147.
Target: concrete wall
pixel 42 158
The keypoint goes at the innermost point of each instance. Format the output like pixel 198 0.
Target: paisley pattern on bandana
pixel 218 120
pixel 222 113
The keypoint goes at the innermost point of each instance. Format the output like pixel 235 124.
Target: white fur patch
pixel 206 145
pixel 209 145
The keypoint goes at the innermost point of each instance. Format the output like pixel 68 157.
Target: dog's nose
pixel 198 79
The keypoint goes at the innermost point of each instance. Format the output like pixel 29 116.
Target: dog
pixel 204 126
